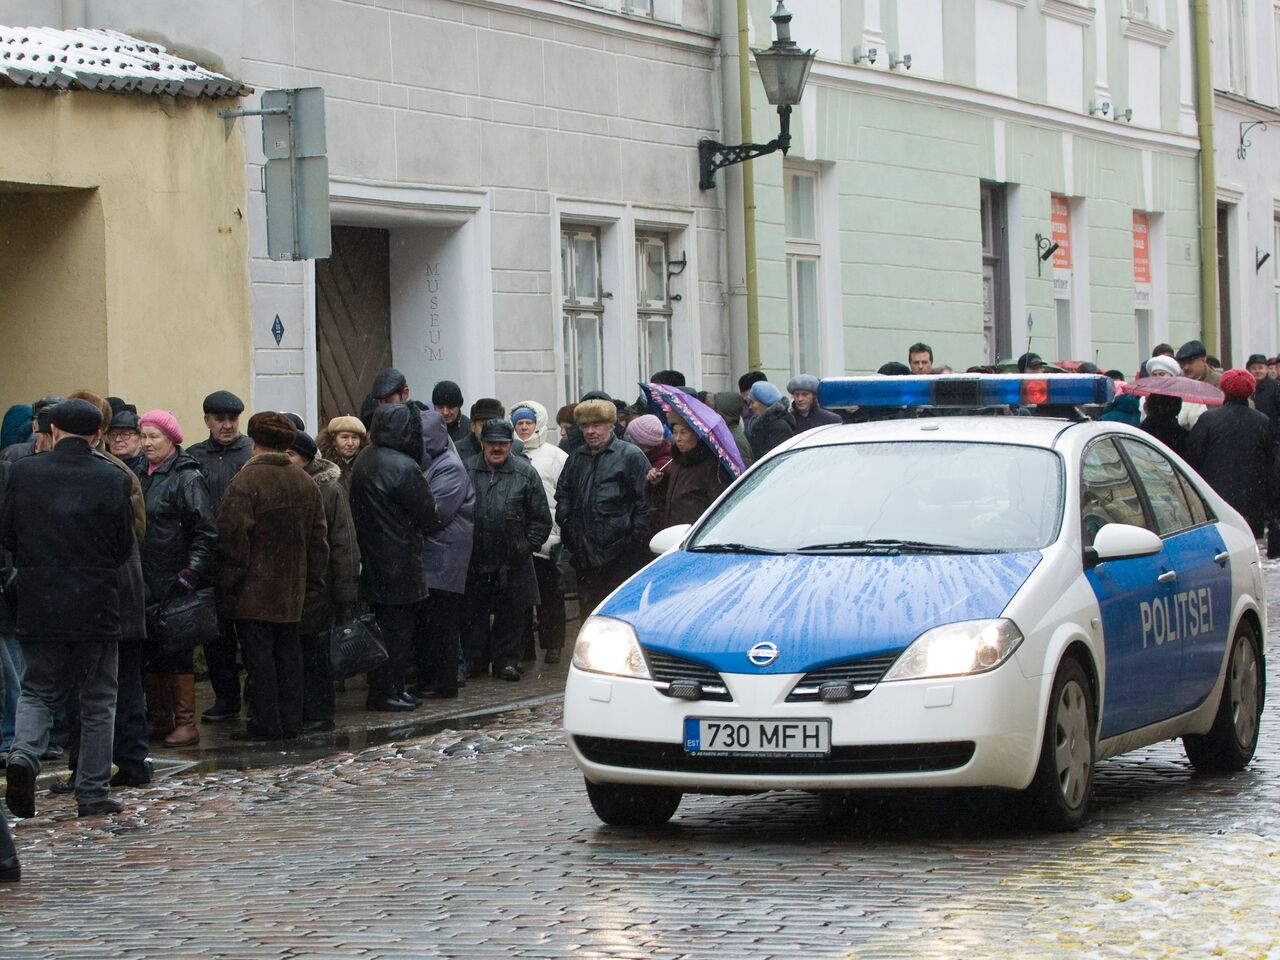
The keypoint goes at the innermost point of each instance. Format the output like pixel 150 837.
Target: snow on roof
pixel 86 59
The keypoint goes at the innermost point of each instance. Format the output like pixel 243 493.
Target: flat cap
pixel 497 431
pixel 387 382
pixel 223 401
pixel 1255 358
pixel 1190 350
pixel 79 417
pixel 304 446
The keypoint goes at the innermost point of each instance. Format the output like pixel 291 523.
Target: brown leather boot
pixel 159 706
pixel 183 687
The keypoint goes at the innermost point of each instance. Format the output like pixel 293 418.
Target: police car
pixel 932 601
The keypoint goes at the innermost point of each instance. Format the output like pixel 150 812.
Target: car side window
pixel 1160 480
pixel 1107 491
pixel 1200 511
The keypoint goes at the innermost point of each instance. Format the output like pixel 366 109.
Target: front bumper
pixel 979 731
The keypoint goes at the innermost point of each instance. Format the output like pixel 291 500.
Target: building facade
pixel 942 148
pixel 1246 36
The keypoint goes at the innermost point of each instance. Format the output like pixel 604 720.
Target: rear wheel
pixel 628 805
pixel 1231 741
pixel 1063 784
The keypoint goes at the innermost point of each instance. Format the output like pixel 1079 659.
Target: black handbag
pixel 182 621
pixel 356 647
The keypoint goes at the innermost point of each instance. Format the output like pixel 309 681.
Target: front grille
pixel 863 674
pixel 665 668
pixel 880 758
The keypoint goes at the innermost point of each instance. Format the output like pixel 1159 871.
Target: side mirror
pixel 1121 541
pixel 669 538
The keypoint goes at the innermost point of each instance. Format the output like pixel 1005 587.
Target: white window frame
pixel 803 249
pixel 1235 14
pixel 1275 281
pixel 649 311
pixel 576 304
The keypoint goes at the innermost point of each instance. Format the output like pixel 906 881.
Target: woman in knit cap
pixel 771 424
pixel 647 433
pixel 177 557
pixel 340 442
pixel 805 409
pixel 1231 446
pixel 697 477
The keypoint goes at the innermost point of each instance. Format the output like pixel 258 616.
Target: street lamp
pixel 784 69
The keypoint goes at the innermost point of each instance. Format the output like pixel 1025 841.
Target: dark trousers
pixel 317 687
pixel 220 658
pixel 398 624
pixel 131 745
pixel 595 585
pixel 547 618
pixel 436 641
pixel 273 658
pixel 7 849
pixel 497 644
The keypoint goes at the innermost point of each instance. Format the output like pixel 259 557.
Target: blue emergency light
pixel 981 390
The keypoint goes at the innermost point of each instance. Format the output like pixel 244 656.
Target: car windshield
pixel 906 497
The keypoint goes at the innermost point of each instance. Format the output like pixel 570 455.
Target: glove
pixel 188 580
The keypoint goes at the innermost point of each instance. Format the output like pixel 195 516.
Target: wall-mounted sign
pixel 1141 261
pixel 277 330
pixel 1060 223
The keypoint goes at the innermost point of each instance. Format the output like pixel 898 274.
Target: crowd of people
pixel 462 533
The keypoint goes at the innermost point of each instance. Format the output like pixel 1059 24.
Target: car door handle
pixel 1167 577
pixel 1222 557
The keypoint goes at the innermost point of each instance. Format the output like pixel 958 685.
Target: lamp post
pixel 784 69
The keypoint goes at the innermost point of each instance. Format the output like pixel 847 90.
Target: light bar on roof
pixel 982 390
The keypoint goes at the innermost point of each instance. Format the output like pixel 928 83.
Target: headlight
pixel 957 649
pixel 606 645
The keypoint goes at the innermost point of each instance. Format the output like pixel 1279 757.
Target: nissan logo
pixel 763 654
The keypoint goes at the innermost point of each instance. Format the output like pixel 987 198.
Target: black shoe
pixel 132 778
pixel 388 705
pixel 64 786
pixel 404 696
pixel 52 753
pixel 103 807
pixel 508 673
pixel 552 656
pixel 249 735
pixel 221 710
pixel 20 788
pixel 317 726
pixel 438 695
pixel 10 872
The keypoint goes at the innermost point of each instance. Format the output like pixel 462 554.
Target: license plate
pixel 710 737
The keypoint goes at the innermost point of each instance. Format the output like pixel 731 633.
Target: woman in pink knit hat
pixel 177 557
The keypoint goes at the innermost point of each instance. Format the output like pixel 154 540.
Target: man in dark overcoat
pixel 68 521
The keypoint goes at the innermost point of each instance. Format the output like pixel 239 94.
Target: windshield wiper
pixel 730 548
pixel 886 547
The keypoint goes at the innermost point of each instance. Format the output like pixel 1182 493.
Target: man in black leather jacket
pixel 393 509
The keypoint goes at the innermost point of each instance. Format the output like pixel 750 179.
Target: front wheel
pixel 1231 741
pixel 628 805
pixel 1063 784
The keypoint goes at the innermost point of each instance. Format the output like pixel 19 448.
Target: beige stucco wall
pixel 134 284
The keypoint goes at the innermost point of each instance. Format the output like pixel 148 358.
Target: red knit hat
pixel 1238 383
pixel 164 421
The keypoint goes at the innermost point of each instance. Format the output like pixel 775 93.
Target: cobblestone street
pixel 482 843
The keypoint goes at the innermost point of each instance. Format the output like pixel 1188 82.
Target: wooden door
pixel 1224 290
pixel 353 318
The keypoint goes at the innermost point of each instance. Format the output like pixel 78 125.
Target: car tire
pixel 1231 741
pixel 628 805
pixel 1062 789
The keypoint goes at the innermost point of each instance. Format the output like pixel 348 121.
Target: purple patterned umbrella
pixel 706 423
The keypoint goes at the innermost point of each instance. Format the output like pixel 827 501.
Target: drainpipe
pixel 1208 181
pixel 748 194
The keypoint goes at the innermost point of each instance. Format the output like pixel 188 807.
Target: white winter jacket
pixel 549 460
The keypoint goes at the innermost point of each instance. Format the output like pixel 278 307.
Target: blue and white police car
pixel 932 601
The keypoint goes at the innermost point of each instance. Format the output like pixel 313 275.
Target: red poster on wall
pixel 1141 248
pixel 1060 209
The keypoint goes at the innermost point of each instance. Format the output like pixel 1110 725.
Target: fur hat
pixel 164 421
pixel 595 411
pixel 347 424
pixel 271 430
pixel 803 381
pixel 1238 383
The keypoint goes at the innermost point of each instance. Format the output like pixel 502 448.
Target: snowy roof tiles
pixel 85 59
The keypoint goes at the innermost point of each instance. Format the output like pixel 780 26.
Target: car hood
pixel 820 610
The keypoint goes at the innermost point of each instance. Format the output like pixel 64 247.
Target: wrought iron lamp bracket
pixel 712 155
pixel 1245 126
